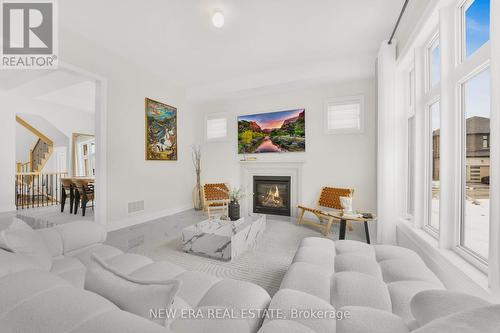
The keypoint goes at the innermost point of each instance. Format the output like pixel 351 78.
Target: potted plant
pixel 235 195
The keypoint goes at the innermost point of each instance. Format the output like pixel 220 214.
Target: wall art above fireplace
pixel 273 132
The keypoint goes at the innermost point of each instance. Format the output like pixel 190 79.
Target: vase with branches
pixel 197 191
pixel 235 194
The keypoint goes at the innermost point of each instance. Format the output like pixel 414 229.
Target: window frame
pixel 427 227
pixel 474 258
pixel 355 99
pixel 428 61
pixel 213 116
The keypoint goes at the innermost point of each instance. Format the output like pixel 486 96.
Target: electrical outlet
pixel 135 206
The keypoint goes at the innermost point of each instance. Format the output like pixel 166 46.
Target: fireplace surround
pixel 272 195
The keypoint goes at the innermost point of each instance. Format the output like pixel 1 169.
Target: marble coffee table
pixel 221 239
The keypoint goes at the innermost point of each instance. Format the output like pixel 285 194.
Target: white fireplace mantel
pixel 291 168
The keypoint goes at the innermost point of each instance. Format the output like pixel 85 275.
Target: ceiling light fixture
pixel 218 19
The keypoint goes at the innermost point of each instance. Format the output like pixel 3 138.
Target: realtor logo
pixel 29 35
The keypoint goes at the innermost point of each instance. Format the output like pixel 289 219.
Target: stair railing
pixel 36 189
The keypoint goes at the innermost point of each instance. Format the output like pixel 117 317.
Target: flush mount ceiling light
pixel 218 19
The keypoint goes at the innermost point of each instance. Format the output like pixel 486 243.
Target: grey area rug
pixel 264 266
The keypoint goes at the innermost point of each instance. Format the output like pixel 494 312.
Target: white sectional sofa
pixel 370 289
pixel 375 288
pixel 36 300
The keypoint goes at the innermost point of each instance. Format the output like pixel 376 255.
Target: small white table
pixel 224 240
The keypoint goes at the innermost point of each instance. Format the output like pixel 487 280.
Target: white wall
pixel 25 140
pixel 165 186
pixel 346 160
pixel 8 160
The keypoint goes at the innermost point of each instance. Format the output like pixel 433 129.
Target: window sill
pixel 447 261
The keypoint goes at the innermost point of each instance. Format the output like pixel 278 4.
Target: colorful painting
pixel 273 132
pixel 161 131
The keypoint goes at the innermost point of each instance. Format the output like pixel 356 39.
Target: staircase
pixel 35 188
pixel 42 150
pixel 39 155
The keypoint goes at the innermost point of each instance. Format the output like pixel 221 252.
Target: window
pixel 216 128
pixel 476 165
pixel 434 166
pixel 475 26
pixel 345 115
pixel 486 143
pixel 434 62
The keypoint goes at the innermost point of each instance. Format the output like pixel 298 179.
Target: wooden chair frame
pixel 216 199
pixel 329 198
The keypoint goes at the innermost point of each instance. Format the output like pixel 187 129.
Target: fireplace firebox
pixel 271 195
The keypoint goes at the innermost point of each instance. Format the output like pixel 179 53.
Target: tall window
pixel 476 165
pixel 476 25
pixel 434 60
pixel 434 171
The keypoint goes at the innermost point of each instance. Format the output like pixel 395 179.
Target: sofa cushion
pixel 317 256
pixel 194 286
pixel 104 252
pixel 285 326
pixel 364 319
pixel 117 321
pixel 238 295
pixel 127 263
pixel 130 294
pixel 407 270
pixel 308 278
pixel 402 293
pixel 159 270
pixel 354 247
pixel 80 234
pixel 21 239
pixel 479 320
pixel 37 301
pixel 13 262
pixel 357 263
pixel 70 269
pixel 287 300
pixel 432 304
pixel 386 252
pixel 53 240
pixel 358 289
pixel 210 322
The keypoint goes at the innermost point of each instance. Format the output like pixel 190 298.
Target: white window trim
pixel 215 116
pixel 429 88
pixel 356 99
pixel 428 170
pixel 410 88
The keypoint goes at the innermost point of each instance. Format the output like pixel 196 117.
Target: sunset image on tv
pixel 273 132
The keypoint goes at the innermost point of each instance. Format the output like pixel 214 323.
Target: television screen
pixel 273 132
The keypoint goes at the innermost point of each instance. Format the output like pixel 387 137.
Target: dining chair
pixel 67 190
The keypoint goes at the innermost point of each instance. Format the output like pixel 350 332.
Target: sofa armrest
pixel 429 305
pixel 67 237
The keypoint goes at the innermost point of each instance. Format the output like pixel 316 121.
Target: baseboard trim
pixel 8 209
pixel 144 218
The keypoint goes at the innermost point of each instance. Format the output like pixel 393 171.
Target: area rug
pixel 264 266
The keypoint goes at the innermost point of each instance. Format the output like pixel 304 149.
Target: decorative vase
pixel 197 203
pixel 234 210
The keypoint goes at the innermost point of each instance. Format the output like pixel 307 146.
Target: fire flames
pixel 272 198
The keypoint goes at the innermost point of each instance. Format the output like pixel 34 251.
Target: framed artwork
pixel 272 132
pixel 161 131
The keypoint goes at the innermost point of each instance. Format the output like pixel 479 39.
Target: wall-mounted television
pixel 272 132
